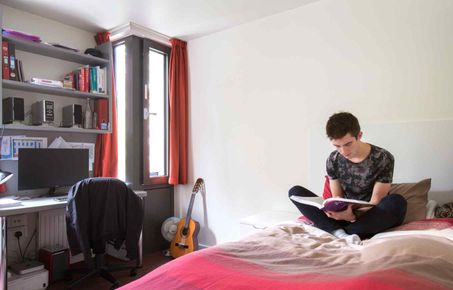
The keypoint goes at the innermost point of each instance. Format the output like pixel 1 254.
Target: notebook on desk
pixel 9 202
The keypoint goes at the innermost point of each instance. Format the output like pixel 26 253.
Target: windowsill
pixel 155 186
pixel 155 181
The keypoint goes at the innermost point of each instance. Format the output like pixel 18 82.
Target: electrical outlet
pixel 14 252
pixel 17 221
pixel 13 230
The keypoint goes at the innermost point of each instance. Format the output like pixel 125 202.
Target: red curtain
pixel 178 95
pixel 106 155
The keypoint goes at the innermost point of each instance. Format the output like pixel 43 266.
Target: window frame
pixel 137 159
pixel 153 45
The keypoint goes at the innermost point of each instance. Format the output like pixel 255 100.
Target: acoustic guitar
pixel 185 240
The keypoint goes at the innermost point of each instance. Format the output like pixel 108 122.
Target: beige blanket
pixel 296 256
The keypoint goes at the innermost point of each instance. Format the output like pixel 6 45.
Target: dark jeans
pixel 390 212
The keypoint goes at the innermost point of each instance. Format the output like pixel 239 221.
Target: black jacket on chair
pixel 101 210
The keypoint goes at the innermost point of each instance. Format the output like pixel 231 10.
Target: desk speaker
pixel 42 112
pixel 72 116
pixel 13 110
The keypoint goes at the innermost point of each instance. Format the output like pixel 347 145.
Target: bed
pixel 295 255
pixel 417 255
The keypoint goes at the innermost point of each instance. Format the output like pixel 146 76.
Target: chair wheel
pixel 133 272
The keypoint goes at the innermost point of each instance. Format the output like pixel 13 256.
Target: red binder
pixel 5 60
pixel 12 63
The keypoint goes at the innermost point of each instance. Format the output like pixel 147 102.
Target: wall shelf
pixel 53 129
pixel 23 86
pixel 62 96
pixel 56 52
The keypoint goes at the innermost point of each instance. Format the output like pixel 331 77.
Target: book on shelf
pixel 75 80
pixel 90 79
pixel 20 35
pixel 5 60
pixel 10 65
pixel 99 80
pixel 86 78
pixel 12 62
pixel 81 79
pixel 68 81
pixel 93 79
pixel 102 80
pixel 20 71
pixel 47 83
pixel 332 203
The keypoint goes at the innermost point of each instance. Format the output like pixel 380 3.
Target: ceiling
pixel 184 19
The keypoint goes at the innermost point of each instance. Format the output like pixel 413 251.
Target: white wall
pixel 48 30
pixel 257 89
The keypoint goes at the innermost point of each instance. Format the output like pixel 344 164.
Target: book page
pixel 341 204
pixel 347 200
pixel 313 201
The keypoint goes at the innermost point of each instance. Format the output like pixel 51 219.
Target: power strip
pixel 38 280
pixel 27 267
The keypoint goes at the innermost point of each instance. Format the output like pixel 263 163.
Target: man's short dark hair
pixel 340 124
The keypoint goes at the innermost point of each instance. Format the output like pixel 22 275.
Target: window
pixel 120 86
pixel 155 113
pixel 141 79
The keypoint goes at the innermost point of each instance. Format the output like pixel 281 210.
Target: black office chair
pixel 102 210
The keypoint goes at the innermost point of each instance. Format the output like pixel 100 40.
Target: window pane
pixel 120 88
pixel 157 113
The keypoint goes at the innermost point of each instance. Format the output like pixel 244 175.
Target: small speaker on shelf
pixel 72 116
pixel 13 110
pixel 42 112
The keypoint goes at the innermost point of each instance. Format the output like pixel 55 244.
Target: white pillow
pixel 430 208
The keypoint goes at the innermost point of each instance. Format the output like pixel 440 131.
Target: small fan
pixel 169 227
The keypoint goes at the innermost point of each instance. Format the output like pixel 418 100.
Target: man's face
pixel 348 146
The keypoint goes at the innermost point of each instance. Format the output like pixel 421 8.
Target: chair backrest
pixel 101 210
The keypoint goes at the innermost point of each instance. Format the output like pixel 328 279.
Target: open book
pixel 332 203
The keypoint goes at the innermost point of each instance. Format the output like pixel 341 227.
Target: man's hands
pixel 346 215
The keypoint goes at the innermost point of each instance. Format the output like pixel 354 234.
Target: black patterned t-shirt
pixel 357 179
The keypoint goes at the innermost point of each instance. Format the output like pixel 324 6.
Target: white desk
pixel 31 206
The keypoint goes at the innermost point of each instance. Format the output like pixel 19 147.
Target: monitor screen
pixel 51 168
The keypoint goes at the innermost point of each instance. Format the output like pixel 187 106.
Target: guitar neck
pixel 189 211
pixel 199 184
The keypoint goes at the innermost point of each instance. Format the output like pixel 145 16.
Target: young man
pixel 356 170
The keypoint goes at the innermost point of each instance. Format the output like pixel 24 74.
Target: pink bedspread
pixel 301 257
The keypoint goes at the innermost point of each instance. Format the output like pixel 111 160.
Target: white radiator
pixel 52 232
pixel 52 229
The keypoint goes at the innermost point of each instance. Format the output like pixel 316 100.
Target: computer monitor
pixel 51 168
